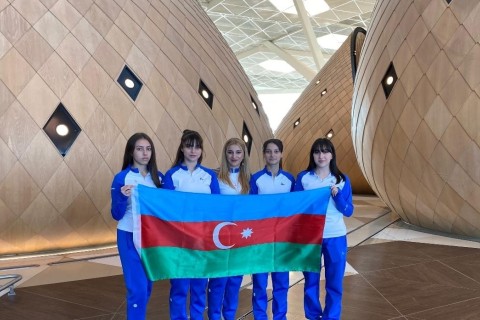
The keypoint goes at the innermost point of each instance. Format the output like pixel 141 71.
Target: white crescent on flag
pixel 216 234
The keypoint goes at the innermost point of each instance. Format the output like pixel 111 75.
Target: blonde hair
pixel 244 174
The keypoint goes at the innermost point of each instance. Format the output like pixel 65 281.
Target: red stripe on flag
pixel 214 235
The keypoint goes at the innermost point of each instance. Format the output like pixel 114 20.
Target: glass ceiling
pixel 248 24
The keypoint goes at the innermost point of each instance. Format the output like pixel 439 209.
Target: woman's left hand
pixel 334 189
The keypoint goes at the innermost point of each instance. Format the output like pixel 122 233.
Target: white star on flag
pixel 247 233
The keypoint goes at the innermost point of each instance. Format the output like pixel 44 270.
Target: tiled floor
pixel 399 273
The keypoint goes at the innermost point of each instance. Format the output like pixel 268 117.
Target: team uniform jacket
pixel 138 286
pixel 263 182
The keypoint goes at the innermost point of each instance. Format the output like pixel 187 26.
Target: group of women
pixel 233 177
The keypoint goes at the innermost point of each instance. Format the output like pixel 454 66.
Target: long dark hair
pixel 128 156
pixel 325 145
pixel 276 142
pixel 189 138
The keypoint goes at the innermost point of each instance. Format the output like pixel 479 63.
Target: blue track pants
pixel 138 285
pixel 334 251
pixel 178 298
pixel 223 297
pixel 260 299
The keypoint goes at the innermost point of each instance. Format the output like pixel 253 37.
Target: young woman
pixel 321 172
pixel 188 175
pixel 234 178
pixel 272 179
pixel 139 167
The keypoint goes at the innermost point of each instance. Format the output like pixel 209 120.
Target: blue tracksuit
pixel 138 285
pixel 223 292
pixel 263 182
pixel 201 180
pixel 334 248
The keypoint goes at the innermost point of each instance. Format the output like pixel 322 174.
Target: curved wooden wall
pixel 72 52
pixel 319 114
pixel 419 148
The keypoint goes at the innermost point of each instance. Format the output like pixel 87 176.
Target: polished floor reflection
pixel 395 272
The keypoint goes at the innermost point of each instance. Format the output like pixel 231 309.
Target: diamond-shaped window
pixel 62 129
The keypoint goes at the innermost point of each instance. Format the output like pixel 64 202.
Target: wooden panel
pixel 87 35
pixel 34 48
pixel 17 129
pixel 78 61
pixel 39 100
pixel 74 54
pixel 435 142
pixel 18 189
pixel 51 29
pixel 62 188
pixel 56 73
pixel 83 159
pixel 66 13
pixel 15 72
pixel 41 159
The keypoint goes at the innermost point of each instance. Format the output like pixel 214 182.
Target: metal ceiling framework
pixel 257 31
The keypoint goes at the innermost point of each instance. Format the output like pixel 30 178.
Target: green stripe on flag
pixel 172 262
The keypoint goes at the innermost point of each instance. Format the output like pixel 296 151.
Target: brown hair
pixel 128 156
pixel 189 138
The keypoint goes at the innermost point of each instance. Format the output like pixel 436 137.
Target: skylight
pixel 313 7
pixel 331 41
pixel 277 65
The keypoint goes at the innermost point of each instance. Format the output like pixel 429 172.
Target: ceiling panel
pixel 248 24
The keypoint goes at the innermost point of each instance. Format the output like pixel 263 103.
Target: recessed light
pixel 296 123
pixel 389 80
pixel 329 134
pixel 205 93
pixel 254 105
pixel 317 82
pixel 62 130
pixel 324 92
pixel 247 137
pixel 130 82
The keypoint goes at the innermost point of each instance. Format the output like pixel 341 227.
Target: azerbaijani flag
pixel 191 235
